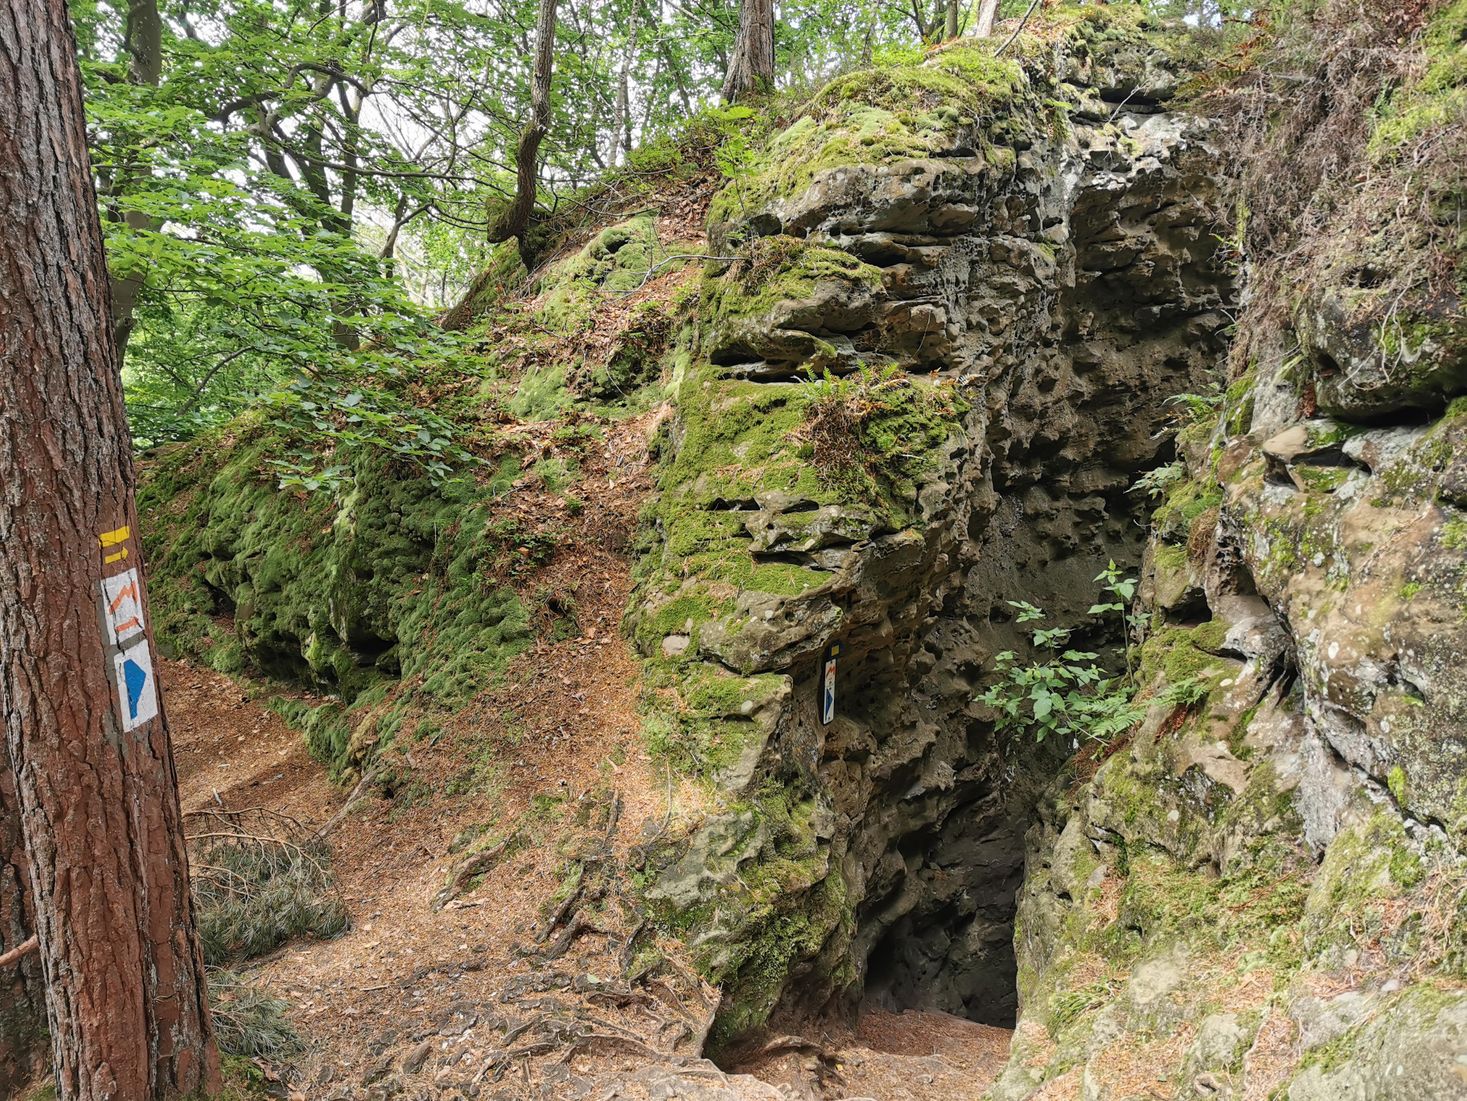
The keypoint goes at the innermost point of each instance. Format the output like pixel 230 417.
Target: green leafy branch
pixel 1066 692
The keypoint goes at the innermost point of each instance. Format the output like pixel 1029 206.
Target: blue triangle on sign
pixel 135 677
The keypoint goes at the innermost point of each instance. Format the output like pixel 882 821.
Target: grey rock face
pixel 1065 298
pixel 1292 829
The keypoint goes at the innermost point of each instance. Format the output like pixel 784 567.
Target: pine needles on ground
pixel 249 1022
pixel 259 879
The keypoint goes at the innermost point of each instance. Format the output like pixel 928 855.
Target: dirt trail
pixel 515 988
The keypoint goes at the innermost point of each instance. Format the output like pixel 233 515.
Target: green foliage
pixel 255 888
pixel 350 424
pixel 1157 482
pixel 1066 692
pixel 1191 408
pixel 248 1022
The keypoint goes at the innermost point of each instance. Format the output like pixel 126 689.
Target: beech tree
pixel 751 68
pixel 987 15
pixel 87 740
pixel 516 219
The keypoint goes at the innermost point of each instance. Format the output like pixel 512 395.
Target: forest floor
pixel 531 810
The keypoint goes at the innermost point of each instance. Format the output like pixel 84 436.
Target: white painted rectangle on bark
pixel 122 606
pixel 137 687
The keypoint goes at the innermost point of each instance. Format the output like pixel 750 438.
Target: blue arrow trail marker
pixel 137 688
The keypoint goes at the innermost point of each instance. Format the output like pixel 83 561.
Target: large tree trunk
pixel 88 744
pixel 516 221
pixel 751 69
pixel 22 993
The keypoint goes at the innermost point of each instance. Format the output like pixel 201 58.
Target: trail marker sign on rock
pixel 827 683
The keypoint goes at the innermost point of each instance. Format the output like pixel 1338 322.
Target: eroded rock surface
pixel 1033 287
pixel 1261 894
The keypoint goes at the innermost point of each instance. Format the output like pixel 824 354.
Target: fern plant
pixel 1156 482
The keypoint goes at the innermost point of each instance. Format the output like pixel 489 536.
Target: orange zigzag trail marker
pixel 124 634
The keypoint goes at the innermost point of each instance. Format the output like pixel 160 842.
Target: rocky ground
pixel 427 1000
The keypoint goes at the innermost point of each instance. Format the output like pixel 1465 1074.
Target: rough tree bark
pixel 88 745
pixel 516 221
pixel 22 993
pixel 751 69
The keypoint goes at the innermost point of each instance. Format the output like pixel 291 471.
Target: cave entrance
pixel 938 931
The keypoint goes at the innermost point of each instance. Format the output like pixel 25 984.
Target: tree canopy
pixel 292 189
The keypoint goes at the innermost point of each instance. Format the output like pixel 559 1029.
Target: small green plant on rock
pixel 1066 692
pixel 1155 483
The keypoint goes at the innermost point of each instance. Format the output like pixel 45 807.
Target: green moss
pixel 542 394
pixel 883 114
pixel 1453 534
pixel 1238 402
pixel 616 260
pixel 875 435
pixel 794 902
pixel 1396 782
pixel 1367 867
pixel 1174 655
pixel 1185 502
pixel 348 595
pixel 780 269
pixel 1169 559
pixel 714 722
pixel 1322 479
pixel 1438 99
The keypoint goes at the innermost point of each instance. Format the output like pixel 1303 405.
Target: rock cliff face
pixel 952 306
pixel 1011 301
pixel 1261 893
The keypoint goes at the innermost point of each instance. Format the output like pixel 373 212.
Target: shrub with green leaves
pixel 1066 692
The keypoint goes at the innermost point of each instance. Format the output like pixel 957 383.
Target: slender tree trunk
pixel 516 221
pixel 621 126
pixel 987 16
pixel 144 47
pixel 950 24
pixel 751 69
pixel 683 95
pixel 88 745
